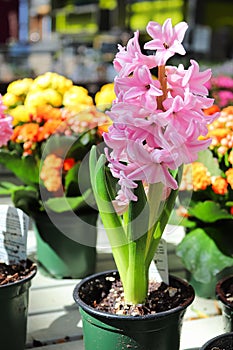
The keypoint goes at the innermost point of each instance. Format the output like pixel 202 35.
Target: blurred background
pixel 78 38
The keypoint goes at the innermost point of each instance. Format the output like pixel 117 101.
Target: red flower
pixel 68 163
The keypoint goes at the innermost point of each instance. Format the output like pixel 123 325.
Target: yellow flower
pixel 20 87
pixel 21 113
pixel 11 100
pixel 77 98
pixel 42 81
pixel 52 80
pixel 53 97
pixel 61 84
pixel 35 98
pixel 105 96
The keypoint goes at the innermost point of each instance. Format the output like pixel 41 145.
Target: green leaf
pixel 7 187
pixel 25 168
pixel 72 146
pixel 138 214
pixel 61 204
pixel 110 219
pixel 201 256
pixel 209 211
pixel 26 198
pixel 206 157
pixel 71 181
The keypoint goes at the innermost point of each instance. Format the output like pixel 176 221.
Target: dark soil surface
pixel 220 346
pixel 13 273
pixel 110 298
pixel 229 294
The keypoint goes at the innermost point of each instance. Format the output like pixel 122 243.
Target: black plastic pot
pixel 66 245
pixel 221 342
pixel 106 331
pixel 14 312
pixel 207 289
pixel 227 308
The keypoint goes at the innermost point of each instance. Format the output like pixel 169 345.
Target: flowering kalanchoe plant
pixel 208 185
pixel 157 127
pixel 54 126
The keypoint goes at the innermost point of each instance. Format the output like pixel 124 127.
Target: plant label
pixel 159 266
pixel 13 235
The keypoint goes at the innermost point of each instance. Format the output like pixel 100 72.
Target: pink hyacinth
pixel 157 123
pixel 166 39
pixel 6 128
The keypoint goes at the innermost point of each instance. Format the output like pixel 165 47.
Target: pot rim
pixel 92 311
pixel 23 280
pixel 218 337
pixel 219 290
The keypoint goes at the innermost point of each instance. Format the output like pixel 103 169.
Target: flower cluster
pixel 157 123
pixel 105 96
pixel 213 177
pixel 55 123
pixel 206 203
pixel 221 89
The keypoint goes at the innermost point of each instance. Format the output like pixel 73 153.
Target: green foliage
pixel 31 195
pixel 202 256
pixel 206 157
pixel 209 211
pixel 25 168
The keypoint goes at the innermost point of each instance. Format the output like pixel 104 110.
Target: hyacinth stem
pixel 163 81
pixel 136 282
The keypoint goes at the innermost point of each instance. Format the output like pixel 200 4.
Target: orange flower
pixel 51 173
pixel 230 157
pixel 221 131
pixel 219 185
pixel 228 110
pixel 68 163
pixel 231 210
pixel 52 161
pixel 201 176
pixel 229 175
pixel 49 128
pixel 211 110
pixel 46 112
pixel 53 181
pixel 16 132
pixel 25 132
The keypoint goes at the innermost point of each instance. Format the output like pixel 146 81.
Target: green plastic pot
pixel 227 307
pixel 14 312
pixel 66 243
pixel 103 331
pixel 221 342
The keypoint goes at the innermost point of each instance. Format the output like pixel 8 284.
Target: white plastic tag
pixel 13 235
pixel 159 266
